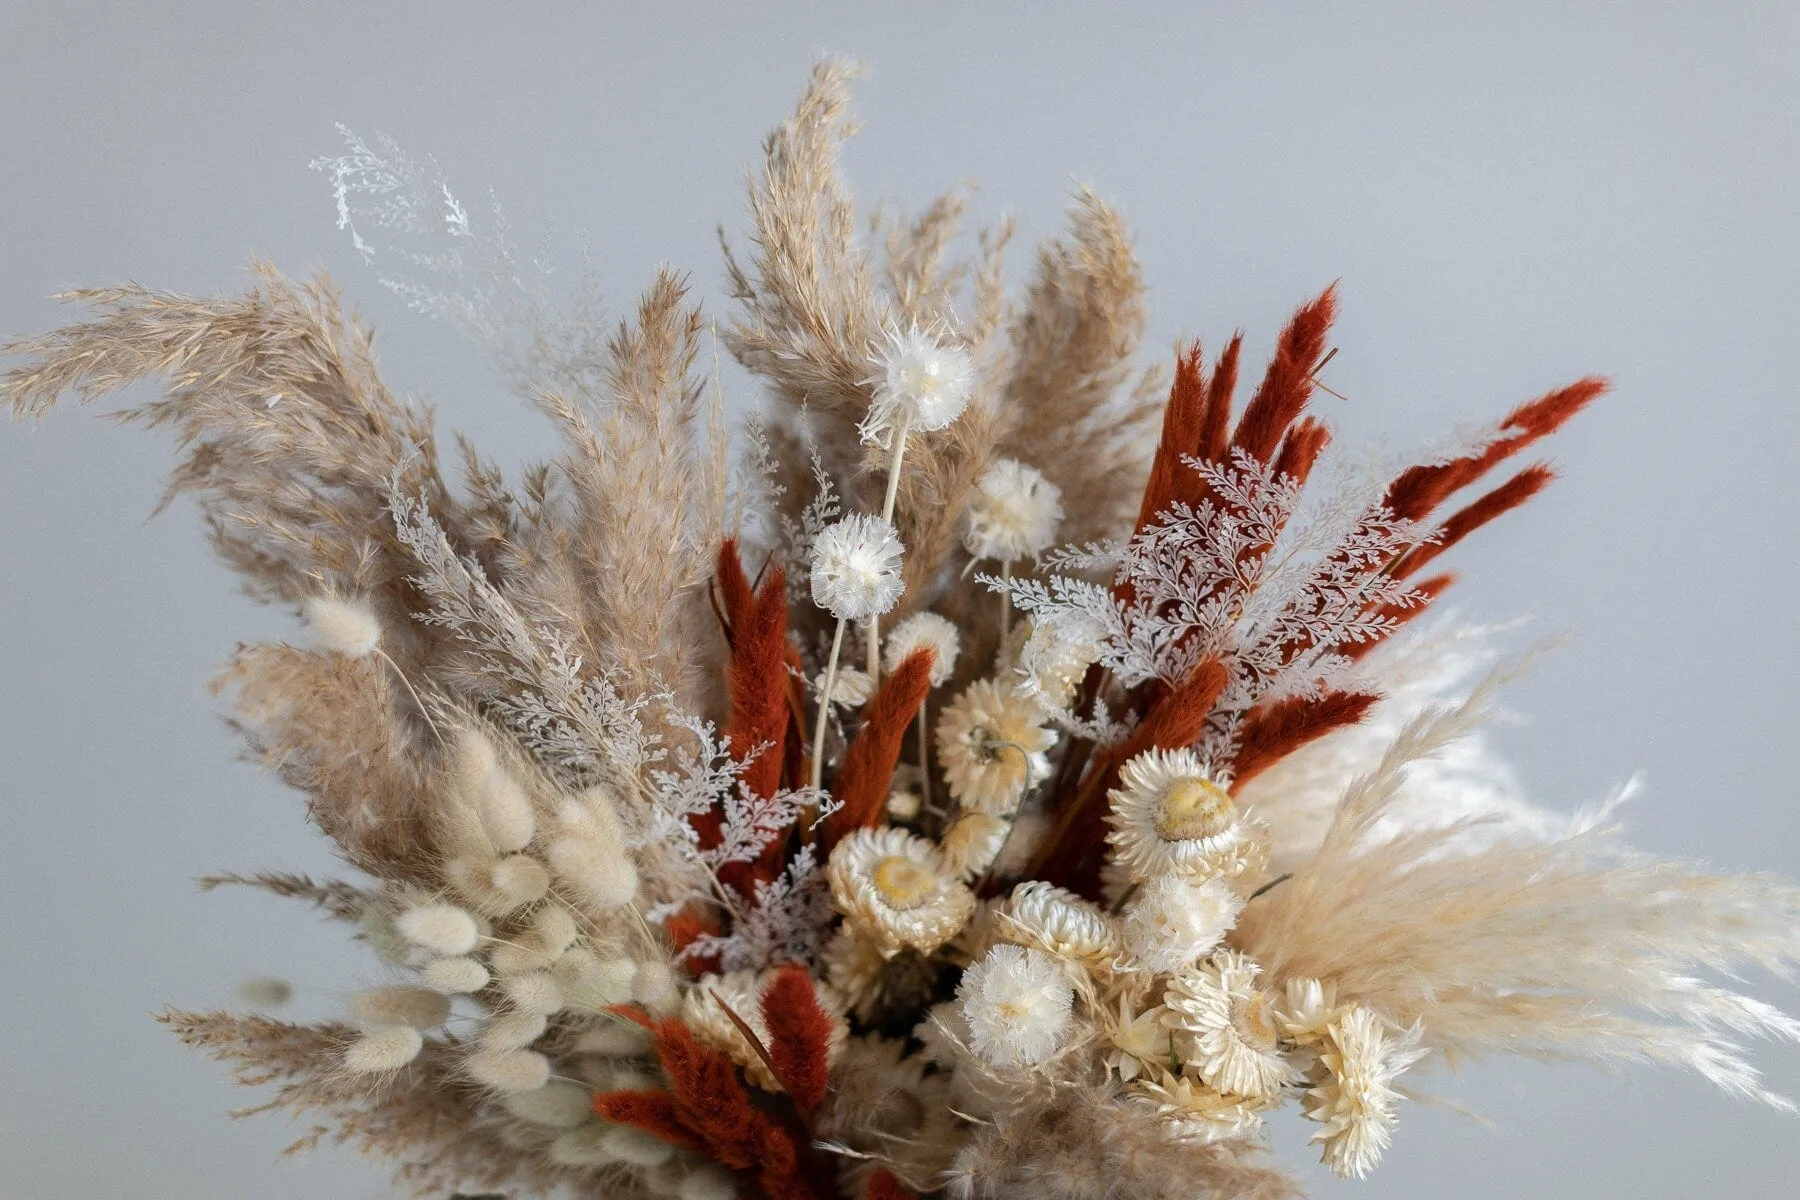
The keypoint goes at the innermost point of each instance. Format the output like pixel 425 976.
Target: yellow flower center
pixel 1191 808
pixel 1254 1022
pixel 903 883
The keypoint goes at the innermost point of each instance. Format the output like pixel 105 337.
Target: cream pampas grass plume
pixel 662 898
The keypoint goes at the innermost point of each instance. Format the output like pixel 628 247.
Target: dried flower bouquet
pixel 1012 773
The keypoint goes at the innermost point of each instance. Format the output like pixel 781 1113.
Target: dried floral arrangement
pixel 995 770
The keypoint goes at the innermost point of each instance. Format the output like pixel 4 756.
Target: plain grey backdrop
pixel 1512 196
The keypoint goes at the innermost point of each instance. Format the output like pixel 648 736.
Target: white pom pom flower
pixel 1228 1029
pixel 1012 514
pixel 920 375
pixel 1353 1093
pixel 1057 921
pixel 1017 1003
pixel 992 746
pixel 894 888
pixel 349 627
pixel 856 568
pixel 1173 921
pixel 852 688
pixel 1169 817
pixel 925 630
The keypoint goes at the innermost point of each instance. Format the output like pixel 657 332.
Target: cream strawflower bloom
pixel 1228 1031
pixel 894 888
pixel 1311 1007
pixel 918 373
pixel 852 689
pixel 856 568
pixel 742 990
pixel 1197 1113
pixel 1353 1093
pixel 1057 656
pixel 925 629
pixel 1142 1041
pixel 852 966
pixel 1012 514
pixel 1049 918
pixel 992 746
pixel 1017 1003
pixel 1173 921
pixel 972 842
pixel 1168 817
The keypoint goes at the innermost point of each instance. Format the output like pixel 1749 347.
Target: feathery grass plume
pixel 1222 834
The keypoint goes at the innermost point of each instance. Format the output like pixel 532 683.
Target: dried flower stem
pixel 831 667
pixel 901 427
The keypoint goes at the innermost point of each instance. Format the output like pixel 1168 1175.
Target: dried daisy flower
pixel 1140 1040
pixel 1352 1093
pixel 1311 1006
pixel 1017 1003
pixel 1196 1112
pixel 856 568
pixel 922 382
pixel 1227 1028
pixel 929 631
pixel 852 689
pixel 972 843
pixel 894 888
pixel 992 746
pixel 1056 656
pixel 1173 921
pixel 1168 816
pixel 852 967
pixel 1012 514
pixel 1057 921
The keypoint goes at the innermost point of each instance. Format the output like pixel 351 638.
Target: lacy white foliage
pixel 790 921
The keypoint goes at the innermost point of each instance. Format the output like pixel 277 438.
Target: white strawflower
pixel 1353 1092
pixel 742 991
pixel 856 568
pixel 992 746
pixel 1057 921
pixel 852 966
pixel 1017 1003
pixel 419 1008
pixel 441 928
pixel 972 842
pixel 1169 817
pixel 1227 1031
pixel 349 627
pixel 1310 1009
pixel 920 374
pixel 1057 655
pixel 852 688
pixel 923 630
pixel 1173 921
pixel 1197 1113
pixel 1140 1040
pixel 382 1049
pixel 1012 514
pixel 894 888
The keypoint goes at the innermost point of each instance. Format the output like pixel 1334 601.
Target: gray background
pixel 1511 200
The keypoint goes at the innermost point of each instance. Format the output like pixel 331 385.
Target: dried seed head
pixel 556 1105
pixel 265 993
pixel 382 1049
pixel 454 976
pixel 349 627
pixel 534 991
pixel 440 928
pixel 420 1008
pixel 509 1070
pixel 597 872
pixel 512 1031
pixel 520 878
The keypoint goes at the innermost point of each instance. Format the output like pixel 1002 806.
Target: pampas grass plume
pixel 441 928
pixel 349 627
pixel 382 1049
